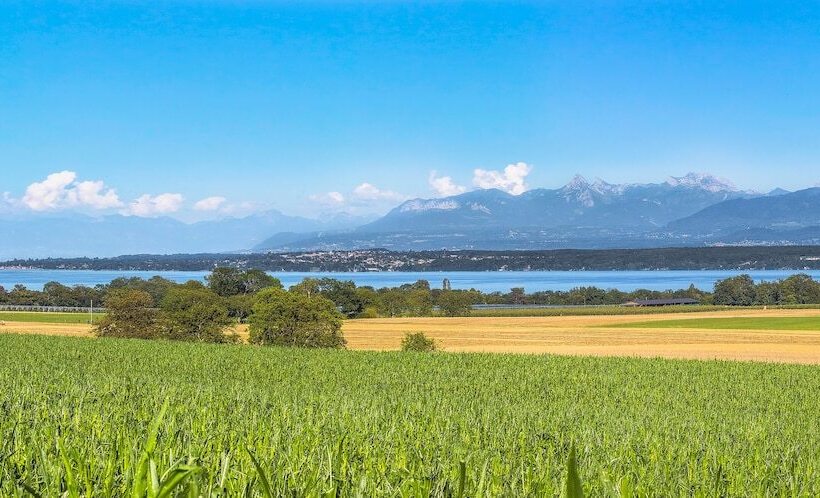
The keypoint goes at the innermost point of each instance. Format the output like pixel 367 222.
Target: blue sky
pixel 278 104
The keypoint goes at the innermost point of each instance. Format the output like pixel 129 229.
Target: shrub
pixel 369 312
pixel 417 341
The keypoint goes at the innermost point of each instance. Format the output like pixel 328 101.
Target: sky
pixel 215 108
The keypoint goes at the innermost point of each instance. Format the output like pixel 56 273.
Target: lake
pixel 484 281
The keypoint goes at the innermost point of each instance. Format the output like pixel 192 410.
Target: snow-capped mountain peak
pixel 429 205
pixel 578 182
pixel 703 181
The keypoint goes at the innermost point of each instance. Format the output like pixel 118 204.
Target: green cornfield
pixel 96 417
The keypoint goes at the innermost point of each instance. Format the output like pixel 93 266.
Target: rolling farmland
pixel 778 335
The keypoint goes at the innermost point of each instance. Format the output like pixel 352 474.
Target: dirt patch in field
pixel 570 335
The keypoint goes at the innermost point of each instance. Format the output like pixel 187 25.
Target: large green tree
pixel 195 313
pixel 226 281
pixel 343 293
pixel 455 303
pixel 735 291
pixel 282 318
pixel 130 314
pixel 800 289
pixel 155 286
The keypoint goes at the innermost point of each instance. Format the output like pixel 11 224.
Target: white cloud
pixel 7 203
pixel 511 180
pixel 50 193
pixel 94 195
pixel 210 203
pixel 147 206
pixel 240 209
pixel 329 198
pixel 444 186
pixel 365 198
pixel 61 190
pixel 369 192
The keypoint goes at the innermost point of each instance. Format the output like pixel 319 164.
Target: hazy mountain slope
pixel 78 235
pixel 785 211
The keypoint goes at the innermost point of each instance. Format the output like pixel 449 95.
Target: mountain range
pixel 695 209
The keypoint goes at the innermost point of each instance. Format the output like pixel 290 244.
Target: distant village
pixel 374 260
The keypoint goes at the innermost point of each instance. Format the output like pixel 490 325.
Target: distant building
pixel 662 302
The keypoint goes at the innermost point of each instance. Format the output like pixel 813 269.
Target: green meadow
pixel 111 417
pixel 736 323
pixel 47 317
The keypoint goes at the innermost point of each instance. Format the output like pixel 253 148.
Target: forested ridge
pixel 679 258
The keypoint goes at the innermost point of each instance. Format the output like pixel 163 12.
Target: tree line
pixel 743 291
pixel 236 289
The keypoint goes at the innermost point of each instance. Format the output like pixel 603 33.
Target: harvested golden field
pixel 590 335
pixel 63 329
pixel 566 335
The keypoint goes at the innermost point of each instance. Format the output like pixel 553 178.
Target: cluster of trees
pixel 590 296
pixel 416 299
pixel 160 309
pixel 743 291
pixel 53 294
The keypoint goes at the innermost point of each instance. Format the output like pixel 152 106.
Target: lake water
pixel 484 281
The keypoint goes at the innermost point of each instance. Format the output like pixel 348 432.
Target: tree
pixel 192 313
pixel 58 294
pixel 155 286
pixel 392 302
pixel 343 293
pixel 282 318
pixel 420 284
pixel 417 341
pixel 768 293
pixel 735 291
pixel 800 289
pixel 419 302
pixel 455 303
pixel 130 314
pixel 226 281
pixel 240 307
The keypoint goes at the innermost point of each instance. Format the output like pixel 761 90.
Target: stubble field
pixel 791 336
